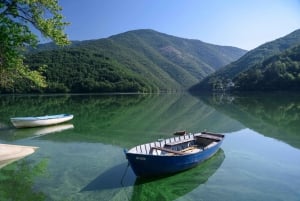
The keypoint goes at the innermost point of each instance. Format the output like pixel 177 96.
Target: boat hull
pixel 156 165
pixel 23 122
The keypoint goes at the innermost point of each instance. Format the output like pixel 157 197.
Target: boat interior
pixel 179 145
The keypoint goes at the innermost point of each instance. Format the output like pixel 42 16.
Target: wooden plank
pixel 168 150
pixel 211 145
pixel 179 142
pixel 213 134
pixel 207 136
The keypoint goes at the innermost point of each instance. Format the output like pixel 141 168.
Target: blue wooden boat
pixel 168 156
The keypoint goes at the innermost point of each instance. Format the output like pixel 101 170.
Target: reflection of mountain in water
pixel 165 188
pixel 125 120
pixel 275 115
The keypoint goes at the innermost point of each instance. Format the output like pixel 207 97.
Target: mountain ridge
pixel 135 61
pixel 220 79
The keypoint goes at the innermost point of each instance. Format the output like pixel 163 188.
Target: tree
pixel 17 20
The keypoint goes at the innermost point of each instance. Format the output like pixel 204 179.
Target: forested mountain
pixel 134 61
pixel 279 72
pixel 247 72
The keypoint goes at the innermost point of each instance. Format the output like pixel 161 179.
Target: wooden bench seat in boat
pixel 179 142
pixel 208 136
pixel 167 150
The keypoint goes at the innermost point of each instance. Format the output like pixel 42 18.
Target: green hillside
pixel 135 61
pixel 259 56
pixel 280 72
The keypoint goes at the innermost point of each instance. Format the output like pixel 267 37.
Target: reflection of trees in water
pixel 16 181
pixel 53 104
pixel 125 116
pixel 276 115
pixel 14 105
pixel 135 119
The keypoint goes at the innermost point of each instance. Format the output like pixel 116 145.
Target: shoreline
pixel 10 153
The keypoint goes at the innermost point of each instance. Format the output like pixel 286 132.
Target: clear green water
pixel 259 159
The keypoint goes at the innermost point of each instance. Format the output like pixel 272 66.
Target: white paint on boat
pixel 22 122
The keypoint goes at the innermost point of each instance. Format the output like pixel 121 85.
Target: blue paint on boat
pixel 168 157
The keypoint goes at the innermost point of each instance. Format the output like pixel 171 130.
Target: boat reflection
pixel 158 188
pixel 52 129
pixel 175 186
pixel 10 134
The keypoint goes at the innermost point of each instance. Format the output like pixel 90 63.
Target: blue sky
pixel 242 23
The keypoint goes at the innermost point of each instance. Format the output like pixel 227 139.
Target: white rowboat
pixel 23 122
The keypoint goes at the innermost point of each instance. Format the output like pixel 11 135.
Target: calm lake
pixel 84 159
